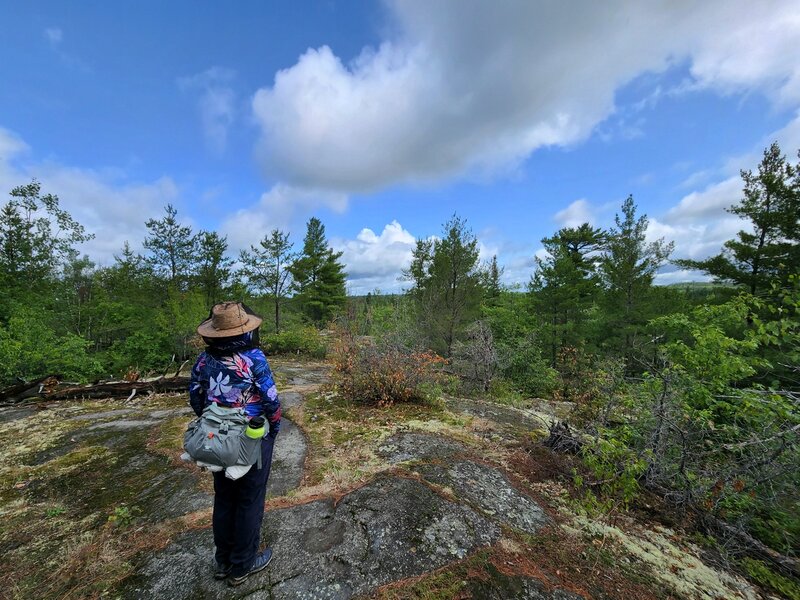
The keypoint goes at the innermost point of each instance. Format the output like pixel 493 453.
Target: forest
pixel 689 391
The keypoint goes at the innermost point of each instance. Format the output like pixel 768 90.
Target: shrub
pixel 382 373
pixel 300 340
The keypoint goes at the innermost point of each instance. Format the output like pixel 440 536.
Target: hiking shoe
pixel 259 564
pixel 222 571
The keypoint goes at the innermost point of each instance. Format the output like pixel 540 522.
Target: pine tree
pixel 493 286
pixel 565 285
pixel 627 267
pixel 213 267
pixel 770 251
pixel 319 277
pixel 172 247
pixel 447 284
pixel 267 268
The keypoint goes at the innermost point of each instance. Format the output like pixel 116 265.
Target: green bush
pixel 768 578
pixel 302 340
pixel 30 348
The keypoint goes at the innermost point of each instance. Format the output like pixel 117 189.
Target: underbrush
pixel 301 340
pixel 383 373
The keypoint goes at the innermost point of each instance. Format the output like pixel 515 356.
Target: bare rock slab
pixel 411 446
pixel 490 491
pixel 291 399
pixel 390 529
pixel 287 460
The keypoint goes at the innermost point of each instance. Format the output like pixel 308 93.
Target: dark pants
pixel 238 510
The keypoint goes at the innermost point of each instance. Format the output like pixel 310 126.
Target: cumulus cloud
pixel 276 209
pixel 470 84
pixel 376 260
pixel 215 104
pixel 102 201
pixel 576 214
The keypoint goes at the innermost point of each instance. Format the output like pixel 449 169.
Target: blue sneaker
pixel 259 564
pixel 221 571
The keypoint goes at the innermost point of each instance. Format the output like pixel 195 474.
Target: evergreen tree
pixel 493 286
pixel 770 251
pixel 213 267
pixel 627 267
pixel 447 284
pixel 172 247
pixel 318 276
pixel 267 268
pixel 565 285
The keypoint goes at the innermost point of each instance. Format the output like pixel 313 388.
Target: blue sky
pixel 383 119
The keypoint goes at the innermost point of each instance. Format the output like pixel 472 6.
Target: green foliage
pixel 30 348
pixel 318 276
pixel 614 461
pixel 447 284
pixel 627 267
pixel 124 515
pixel 213 267
pixel 518 345
pixel 763 575
pixel 37 239
pixel 267 268
pixel 770 251
pixel 300 340
pixel 172 248
pixel 565 285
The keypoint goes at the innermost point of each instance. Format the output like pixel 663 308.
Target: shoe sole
pixel 234 581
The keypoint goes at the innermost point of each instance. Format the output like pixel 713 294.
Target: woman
pixel 234 372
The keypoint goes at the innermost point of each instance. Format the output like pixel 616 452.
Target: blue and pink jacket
pixel 232 373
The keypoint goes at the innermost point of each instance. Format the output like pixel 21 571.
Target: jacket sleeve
pixel 270 403
pixel 198 385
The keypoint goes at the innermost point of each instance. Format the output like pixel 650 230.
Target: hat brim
pixel 206 329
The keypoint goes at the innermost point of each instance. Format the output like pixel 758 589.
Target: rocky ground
pixel 435 502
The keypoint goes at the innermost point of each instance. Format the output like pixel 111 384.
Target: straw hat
pixel 229 319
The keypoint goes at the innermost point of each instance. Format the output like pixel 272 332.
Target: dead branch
pixel 120 389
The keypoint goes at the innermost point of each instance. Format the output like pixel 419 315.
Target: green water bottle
pixel 255 428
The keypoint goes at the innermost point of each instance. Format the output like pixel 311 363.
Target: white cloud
pixel 709 203
pixel 576 214
pixel 468 83
pixel 11 145
pixel 679 276
pixel 276 208
pixel 54 35
pixel 376 261
pixel 215 104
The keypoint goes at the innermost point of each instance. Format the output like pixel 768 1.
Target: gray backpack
pixel 218 438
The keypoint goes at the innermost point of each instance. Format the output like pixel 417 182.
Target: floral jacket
pixel 238 377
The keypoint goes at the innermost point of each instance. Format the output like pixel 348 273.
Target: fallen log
pixel 120 389
pixel 27 389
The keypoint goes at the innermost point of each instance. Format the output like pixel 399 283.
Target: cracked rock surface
pixel 390 529
pixel 490 491
pixel 410 446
